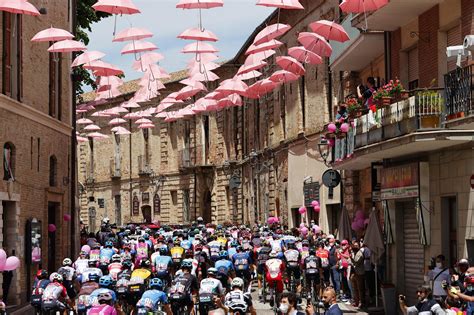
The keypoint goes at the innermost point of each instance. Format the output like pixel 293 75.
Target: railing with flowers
pixel 459 89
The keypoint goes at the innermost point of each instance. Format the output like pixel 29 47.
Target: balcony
pixel 114 171
pixel 459 90
pixel 404 128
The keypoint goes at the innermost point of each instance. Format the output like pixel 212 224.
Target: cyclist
pixel 214 248
pixel 313 273
pixel 238 301
pixel 209 288
pixel 242 262
pixel 154 297
pixel 81 263
pixel 323 254
pixel 105 305
pixel 262 256
pixel 106 253
pixel 292 260
pixel 115 266
pixel 55 294
pixel 183 288
pixel 163 265
pixel 177 254
pixel 274 269
pixel 91 269
pixel 225 268
pixel 142 251
pixel 126 272
pixel 41 282
pixel 203 260
pixel 105 285
pixel 69 277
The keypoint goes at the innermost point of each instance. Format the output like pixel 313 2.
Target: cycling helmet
pixel 92 263
pixel 212 271
pixel 127 264
pixel 146 236
pixel 187 264
pixel 42 274
pixel 116 258
pixel 239 248
pixel 312 251
pixel 237 282
pixel 145 263
pixel 223 254
pixel 105 281
pixel 148 231
pixel 109 244
pixel 177 242
pixel 163 251
pixel 55 277
pixel 305 243
pixel 104 298
pixel 234 244
pixel 291 245
pixel 273 254
pixel 141 240
pixel 67 262
pixel 156 283
pixel 188 253
pixel 94 277
pixel 198 248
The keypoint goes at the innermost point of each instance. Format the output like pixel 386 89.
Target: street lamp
pixel 323 148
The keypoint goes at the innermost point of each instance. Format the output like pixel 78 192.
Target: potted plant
pixel 354 107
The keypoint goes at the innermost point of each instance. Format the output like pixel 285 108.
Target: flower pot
pixel 460 115
pixel 386 100
pixel 404 95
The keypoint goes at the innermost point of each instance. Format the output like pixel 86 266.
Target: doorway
pixel 333 213
pixel 206 208
pixel 146 212
pixel 53 209
pixel 449 239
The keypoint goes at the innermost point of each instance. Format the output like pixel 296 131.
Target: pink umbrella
pixel 132 33
pixel 81 139
pixel 282 4
pixel 52 35
pixel 206 75
pixel 264 46
pixel 231 100
pixel 361 6
pixel 92 127
pixel 329 30
pixel 97 135
pixel 193 83
pixel 84 121
pixel 261 88
pixel 120 131
pixel 67 45
pixel 315 43
pixel 146 59
pixel 18 7
pixel 110 81
pixel 251 67
pixel 116 6
pixel 283 76
pixel 234 85
pixel 198 34
pixel 101 68
pixel 146 126
pixel 137 47
pixel 257 57
pixel 302 54
pixel 290 64
pixel 119 110
pixel 194 65
pixel 249 75
pixel 130 104
pixel 187 111
pixel 199 47
pixel 86 57
pixel 271 32
pixel 204 58
pixel 117 121
pixel 199 4
pixel 187 92
pixel 143 121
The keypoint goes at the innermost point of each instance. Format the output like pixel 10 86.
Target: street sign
pixel 331 178
pixel 472 181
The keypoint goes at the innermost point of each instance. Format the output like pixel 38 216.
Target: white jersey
pixel 67 272
pixel 90 271
pixel 211 286
pixel 81 264
pixel 276 245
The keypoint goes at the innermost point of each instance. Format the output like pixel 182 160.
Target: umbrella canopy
pixel 97 135
pixel 329 30
pixel 304 55
pixel 120 131
pixel 117 121
pixel 261 88
pixel 146 126
pixel 18 7
pixel 249 75
pixel 92 127
pixel 116 6
pixel 199 47
pixel 271 32
pixel 188 91
pixel 137 47
pixel 147 59
pixel 52 35
pixel 110 81
pixel 282 4
pixel 199 4
pixel 67 45
pixel 315 43
pixel 290 64
pixel 143 121
pixel 84 121
pixel 234 85
pixel 344 230
pixel 283 76
pixel 86 57
pixel 231 100
pixel 205 75
pixel 81 139
pixel 130 104
pixel 271 44
pixel 361 6
pixel 101 68
pixel 251 67
pixel 132 33
pixel 373 238
pixel 198 34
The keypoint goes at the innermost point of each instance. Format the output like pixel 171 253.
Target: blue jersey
pixel 232 251
pixel 106 253
pixel 162 263
pixel 186 244
pixel 224 266
pixel 153 298
pixel 242 261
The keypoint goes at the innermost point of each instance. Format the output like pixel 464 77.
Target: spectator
pixel 330 304
pixel 369 272
pixel 366 93
pixel 437 275
pixel 358 277
pixel 426 303
pixel 335 278
pixel 467 296
pixel 458 277
pixel 344 256
pixel 288 304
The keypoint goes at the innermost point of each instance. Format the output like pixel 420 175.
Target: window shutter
pixel 413 68
pixel 454 38
pixel 7 65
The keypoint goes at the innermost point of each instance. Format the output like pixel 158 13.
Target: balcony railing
pixel 459 89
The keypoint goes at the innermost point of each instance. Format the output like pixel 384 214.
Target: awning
pixel 360 53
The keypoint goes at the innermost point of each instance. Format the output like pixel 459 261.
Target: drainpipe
pixel 72 180
pixel 387 38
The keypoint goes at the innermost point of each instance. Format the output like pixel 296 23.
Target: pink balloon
pixel 344 127
pixel 316 229
pixel 360 224
pixel 86 248
pixel 315 203
pixel 302 210
pixel 366 221
pixel 3 259
pixel 332 127
pixel 304 230
pixel 67 217
pixel 12 263
pixel 332 142
pixel 317 208
pixel 51 228
pixel 360 214
pixel 355 226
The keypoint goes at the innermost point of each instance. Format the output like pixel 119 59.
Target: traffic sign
pixel 331 178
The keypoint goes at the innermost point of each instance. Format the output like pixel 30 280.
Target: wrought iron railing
pixel 459 89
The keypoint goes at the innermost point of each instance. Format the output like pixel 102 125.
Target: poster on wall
pixel 400 181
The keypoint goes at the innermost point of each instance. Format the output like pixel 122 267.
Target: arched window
pixel 53 171
pixel 8 161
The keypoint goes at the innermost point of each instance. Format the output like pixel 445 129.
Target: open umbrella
pixel 303 55
pixel 198 34
pixel 138 47
pixel 97 135
pixel 249 75
pixel 271 32
pixel 199 47
pixel 116 7
pixel 283 76
pixel 188 91
pixel 132 33
pixel 290 64
pixel 251 67
pixel 315 43
pixel 231 100
pixel 117 121
pixel 206 75
pixel 81 139
pixel 101 68
pixel 271 44
pixel 92 127
pixel 86 57
pixel 18 7
pixel 52 35
pixel 146 126
pixel 120 131
pixel 67 45
pixel 281 4
pixel 199 4
pixel 130 104
pixel 110 81
pixel 261 88
pixel 344 230
pixel 84 121
pixel 361 6
pixel 234 85
pixel 143 121
pixel 330 30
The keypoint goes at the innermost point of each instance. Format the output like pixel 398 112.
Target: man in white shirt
pixel 437 275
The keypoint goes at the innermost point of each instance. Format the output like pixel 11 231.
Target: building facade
pixel 35 135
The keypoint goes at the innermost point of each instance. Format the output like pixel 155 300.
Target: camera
pixel 444 284
pixel 469 42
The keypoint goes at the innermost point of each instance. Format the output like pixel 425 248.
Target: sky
pixel 232 24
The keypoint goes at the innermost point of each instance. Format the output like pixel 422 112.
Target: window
pixel 55 85
pixel 186 210
pixel 8 161
pixel 53 171
pixel 12 56
pixel 146 137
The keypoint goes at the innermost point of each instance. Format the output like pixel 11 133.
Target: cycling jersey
pixel 94 254
pixel 232 251
pixel 263 255
pixel 152 298
pixel 103 309
pixel 90 271
pixel 312 264
pixel 223 266
pixel 324 256
pixel 92 300
pixel 142 250
pixel 114 269
pixel 186 244
pixel 276 245
pixel 106 254
pixel 53 292
pixel 292 258
pixel 67 272
pixel 88 287
pixel 177 253
pixel 214 249
pixel 274 268
pixel 162 264
pixel 238 301
pixel 242 261
pixel 211 286
pixel 81 264
pixel 183 285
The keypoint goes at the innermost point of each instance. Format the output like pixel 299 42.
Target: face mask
pixel 284 308
pixel 469 288
pixel 326 305
pixel 439 265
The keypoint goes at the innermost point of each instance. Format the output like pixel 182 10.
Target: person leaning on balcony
pixel 366 92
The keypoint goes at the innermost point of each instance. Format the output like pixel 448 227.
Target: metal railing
pixel 459 89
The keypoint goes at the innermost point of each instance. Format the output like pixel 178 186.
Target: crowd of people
pixel 209 269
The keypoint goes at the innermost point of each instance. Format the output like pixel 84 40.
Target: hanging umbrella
pixel 271 32
pixel 373 239
pixel 283 76
pixel 199 47
pixel 315 43
pixel 81 139
pixel 86 57
pixel 253 58
pixel 92 127
pixel 206 75
pixel 97 135
pixel 361 6
pixel 261 88
pixel 186 111
pixel 329 30
pixel 198 34
pixel 231 100
pixel 18 7
pixel 137 47
pixel 281 4
pixel 67 45
pixel 119 110
pixel 143 121
pixel 120 131
pixel 249 75
pixel 84 121
pixel 344 230
pixel 116 7
pixel 188 91
pixel 52 35
pixel 251 67
pixel 290 64
pixel 130 104
pixel 146 126
pixel 199 4
pixel 101 68
pixel 110 80
pixel 204 58
pixel 147 59
pixel 117 121
pixel 271 44
pixel 195 66
pixel 303 55
pixel 132 33
pixel 234 85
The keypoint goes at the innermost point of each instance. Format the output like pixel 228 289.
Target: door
pixel 206 209
pixel 52 210
pixel 146 212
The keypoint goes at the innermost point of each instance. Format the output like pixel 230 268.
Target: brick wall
pixel 396 44
pixel 467 17
pixel 428 47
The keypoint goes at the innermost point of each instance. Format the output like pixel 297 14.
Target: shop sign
pixel 311 192
pixel 400 182
pixel 136 205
